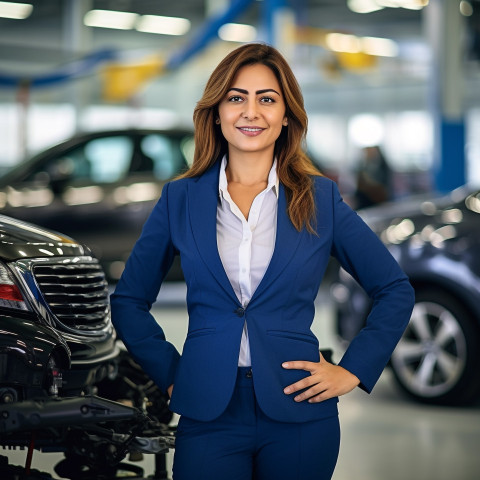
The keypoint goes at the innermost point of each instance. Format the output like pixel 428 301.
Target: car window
pixel 164 153
pixel 109 158
pixel 102 160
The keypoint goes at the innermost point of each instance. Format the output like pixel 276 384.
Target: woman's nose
pixel 250 111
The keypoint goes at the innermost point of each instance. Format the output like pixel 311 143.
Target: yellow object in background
pixel 121 80
pixel 356 61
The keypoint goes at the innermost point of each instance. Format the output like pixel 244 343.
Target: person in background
pixel 374 178
pixel 255 225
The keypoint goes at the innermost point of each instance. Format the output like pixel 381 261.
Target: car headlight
pixel 10 294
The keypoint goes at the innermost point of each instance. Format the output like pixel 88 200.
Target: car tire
pixel 436 360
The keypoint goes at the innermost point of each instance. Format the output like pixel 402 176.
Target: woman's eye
pixel 235 99
pixel 267 100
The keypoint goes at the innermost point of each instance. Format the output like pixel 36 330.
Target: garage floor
pixel 384 435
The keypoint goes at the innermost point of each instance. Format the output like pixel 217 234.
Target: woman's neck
pixel 248 170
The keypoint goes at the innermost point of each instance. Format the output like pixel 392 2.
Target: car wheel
pixel 436 359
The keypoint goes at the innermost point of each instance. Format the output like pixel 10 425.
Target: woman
pixel 255 224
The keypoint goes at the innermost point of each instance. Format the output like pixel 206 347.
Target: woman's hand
pixel 326 380
pixel 170 390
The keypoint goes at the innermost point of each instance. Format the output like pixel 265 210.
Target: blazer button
pixel 240 311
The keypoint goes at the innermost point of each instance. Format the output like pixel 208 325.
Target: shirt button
pixel 240 311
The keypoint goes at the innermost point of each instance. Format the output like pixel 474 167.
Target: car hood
pixel 25 240
pixel 414 206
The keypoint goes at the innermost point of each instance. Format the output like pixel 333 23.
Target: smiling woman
pixel 251 119
pixel 254 224
pixel 294 169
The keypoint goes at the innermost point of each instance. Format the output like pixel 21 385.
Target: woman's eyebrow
pixel 258 92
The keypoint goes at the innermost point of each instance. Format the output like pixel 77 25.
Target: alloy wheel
pixel 431 356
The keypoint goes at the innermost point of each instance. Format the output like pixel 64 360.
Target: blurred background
pixel 96 103
pixel 372 71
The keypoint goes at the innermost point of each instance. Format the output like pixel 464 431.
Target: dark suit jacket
pixel 279 314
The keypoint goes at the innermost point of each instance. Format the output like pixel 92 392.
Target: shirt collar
pixel 272 182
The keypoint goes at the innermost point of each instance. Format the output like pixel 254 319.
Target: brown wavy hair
pixel 295 169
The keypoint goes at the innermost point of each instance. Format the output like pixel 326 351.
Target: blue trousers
pixel 244 444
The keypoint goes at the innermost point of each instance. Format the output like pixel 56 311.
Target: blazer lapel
pixel 203 200
pixel 286 243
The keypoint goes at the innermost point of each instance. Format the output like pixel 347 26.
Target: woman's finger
pixel 310 393
pixel 301 384
pixel 299 365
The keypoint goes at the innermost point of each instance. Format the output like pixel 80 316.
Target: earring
pixel 217 121
pixel 285 122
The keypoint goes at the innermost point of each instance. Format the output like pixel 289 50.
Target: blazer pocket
pixel 293 336
pixel 199 332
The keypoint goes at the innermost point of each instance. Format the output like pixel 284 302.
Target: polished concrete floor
pixel 384 435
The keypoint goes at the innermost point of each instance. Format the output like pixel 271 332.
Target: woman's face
pixel 252 113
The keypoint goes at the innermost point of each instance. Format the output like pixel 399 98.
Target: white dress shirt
pixel 246 246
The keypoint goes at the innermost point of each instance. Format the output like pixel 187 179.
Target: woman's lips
pixel 251 131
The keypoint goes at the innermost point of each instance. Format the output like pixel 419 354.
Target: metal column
pixel 445 33
pixel 77 40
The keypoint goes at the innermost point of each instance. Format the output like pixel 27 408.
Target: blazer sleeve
pixel 137 290
pixel 363 255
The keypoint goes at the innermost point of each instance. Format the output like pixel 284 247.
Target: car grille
pixel 76 293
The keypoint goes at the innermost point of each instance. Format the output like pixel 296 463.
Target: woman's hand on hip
pixel 326 380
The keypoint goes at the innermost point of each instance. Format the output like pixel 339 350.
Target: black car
pixel 58 353
pixel 56 332
pixel 98 188
pixel 437 243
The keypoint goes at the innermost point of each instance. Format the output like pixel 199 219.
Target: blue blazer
pixel 279 315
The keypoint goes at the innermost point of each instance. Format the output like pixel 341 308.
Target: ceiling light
pixel 466 8
pixel 236 32
pixel 389 3
pixel 110 19
pixel 340 42
pixel 364 6
pixel 382 47
pixel 415 5
pixel 18 11
pixel 163 25
pixel 408 4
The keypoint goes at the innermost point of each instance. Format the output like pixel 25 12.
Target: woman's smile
pixel 251 131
